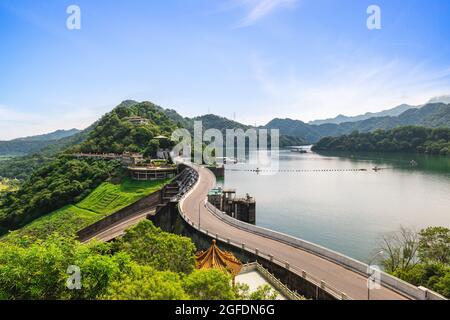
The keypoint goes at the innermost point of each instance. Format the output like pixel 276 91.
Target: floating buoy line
pixel 258 170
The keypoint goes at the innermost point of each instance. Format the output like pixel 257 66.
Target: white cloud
pixel 15 124
pixel 258 9
pixel 350 89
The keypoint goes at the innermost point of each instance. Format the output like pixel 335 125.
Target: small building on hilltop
pixel 136 120
pixel 147 173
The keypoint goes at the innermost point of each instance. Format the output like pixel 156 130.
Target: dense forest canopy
pixel 28 145
pixel 421 258
pixel 405 139
pixel 122 270
pixel 114 133
pixel 61 182
pixel 433 115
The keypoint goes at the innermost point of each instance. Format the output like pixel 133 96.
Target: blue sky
pixel 258 59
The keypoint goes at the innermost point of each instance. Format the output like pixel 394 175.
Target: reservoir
pixel 343 210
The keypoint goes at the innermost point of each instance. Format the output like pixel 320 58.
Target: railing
pixel 394 283
pixel 272 258
pixel 277 284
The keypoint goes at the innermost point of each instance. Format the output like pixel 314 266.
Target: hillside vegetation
pixel 28 145
pixel 101 202
pixel 61 182
pixel 404 139
pixel 53 180
pixel 113 133
pixel 123 270
pixel 434 115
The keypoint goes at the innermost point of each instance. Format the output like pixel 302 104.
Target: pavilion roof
pixel 214 258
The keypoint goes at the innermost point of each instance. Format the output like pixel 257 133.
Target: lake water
pixel 343 210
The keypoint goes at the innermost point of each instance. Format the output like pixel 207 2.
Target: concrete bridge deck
pixel 352 283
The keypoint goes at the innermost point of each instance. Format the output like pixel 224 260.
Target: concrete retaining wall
pixel 144 204
pixel 169 219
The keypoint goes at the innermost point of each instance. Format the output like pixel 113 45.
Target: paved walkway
pixel 353 284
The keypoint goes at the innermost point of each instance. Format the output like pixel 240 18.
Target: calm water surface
pixel 348 211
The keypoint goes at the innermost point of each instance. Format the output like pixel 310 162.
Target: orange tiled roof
pixel 214 258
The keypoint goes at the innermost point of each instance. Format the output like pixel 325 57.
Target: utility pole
pixel 370 274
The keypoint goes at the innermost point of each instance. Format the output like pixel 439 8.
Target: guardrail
pixel 389 281
pixel 394 283
pixel 277 284
pixel 270 257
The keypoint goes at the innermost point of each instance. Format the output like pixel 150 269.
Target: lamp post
pixel 199 215
pixel 371 274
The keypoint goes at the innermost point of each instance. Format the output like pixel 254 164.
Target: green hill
pixel 27 145
pixel 403 139
pixel 114 133
pixel 433 115
pixel 101 202
pixel 57 180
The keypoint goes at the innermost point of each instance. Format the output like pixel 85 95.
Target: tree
pixel 146 283
pixel 39 271
pixel 210 284
pixel 264 292
pixel 148 245
pixel 152 148
pixel 400 249
pixel 434 245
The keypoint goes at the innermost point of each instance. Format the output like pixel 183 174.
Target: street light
pixel 199 216
pixel 371 274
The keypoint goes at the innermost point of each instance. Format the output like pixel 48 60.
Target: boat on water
pixel 299 150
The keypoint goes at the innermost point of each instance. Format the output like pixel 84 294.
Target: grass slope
pixel 103 201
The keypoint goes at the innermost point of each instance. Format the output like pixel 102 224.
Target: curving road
pixel 352 283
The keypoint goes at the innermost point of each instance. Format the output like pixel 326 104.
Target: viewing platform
pixel 144 173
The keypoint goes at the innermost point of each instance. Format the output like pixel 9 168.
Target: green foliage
pixel 21 167
pixel 404 139
pixel 210 284
pixel 429 265
pixel 434 245
pixel 264 292
pixel 115 134
pixel 146 283
pixel 152 148
pixel 39 271
pixel 150 246
pixel 53 186
pixel 433 115
pixel 23 146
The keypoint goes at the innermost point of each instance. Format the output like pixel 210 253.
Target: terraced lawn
pixel 103 201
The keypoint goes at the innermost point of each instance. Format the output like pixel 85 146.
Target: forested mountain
pixel 28 145
pixel 115 133
pixel 396 111
pixel 403 139
pixel 58 180
pixel 442 99
pixel 432 115
pixel 56 135
pixel 23 166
